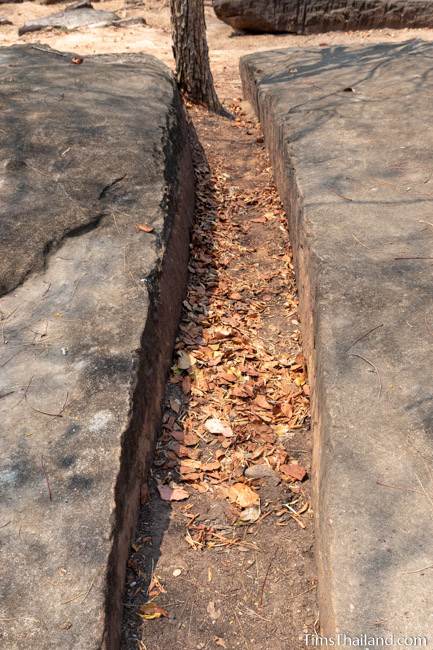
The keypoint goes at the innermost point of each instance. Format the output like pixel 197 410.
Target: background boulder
pixel 323 15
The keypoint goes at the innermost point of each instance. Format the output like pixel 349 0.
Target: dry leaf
pixel 188 464
pixel 239 392
pixel 144 227
pixel 193 476
pixel 242 495
pixel 190 439
pixel 281 429
pixel 185 360
pixel 293 471
pixel 286 409
pixel 229 377
pixel 172 494
pixel 214 425
pixel 175 405
pixel 250 515
pixel 211 467
pixel 262 402
pixel 186 385
pixel 213 612
pixel 155 587
pixel 149 611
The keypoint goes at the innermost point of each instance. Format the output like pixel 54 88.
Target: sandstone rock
pixel 307 17
pixel 353 168
pixel 89 310
pixel 79 15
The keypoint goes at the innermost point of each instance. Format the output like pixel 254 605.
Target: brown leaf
pixel 172 494
pixel 211 467
pixel 262 402
pixel 175 405
pixel 239 392
pixel 228 376
pixel 155 587
pixel 190 439
pixel 144 227
pixel 149 611
pixel 182 451
pixel 186 360
pixel 242 495
pixel 214 425
pixel 186 385
pixel 193 476
pixel 251 514
pixel 293 471
pixel 286 409
pixel 188 464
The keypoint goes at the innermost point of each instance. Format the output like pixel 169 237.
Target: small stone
pixel 260 471
pixel 177 572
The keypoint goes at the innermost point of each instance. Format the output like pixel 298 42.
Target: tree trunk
pixel 191 53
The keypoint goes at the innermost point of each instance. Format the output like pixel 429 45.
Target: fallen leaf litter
pixel 232 401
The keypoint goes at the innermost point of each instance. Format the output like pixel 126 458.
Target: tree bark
pixel 191 53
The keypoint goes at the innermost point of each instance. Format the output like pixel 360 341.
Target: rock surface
pixel 323 15
pixel 350 136
pixel 78 15
pixel 89 309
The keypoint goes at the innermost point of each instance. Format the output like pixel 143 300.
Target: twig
pixel 359 242
pixel 413 258
pixel 364 336
pixel 353 354
pixel 424 491
pixel 24 397
pixel 53 415
pixel 398 487
pixel 295 515
pixel 342 196
pixel 3 321
pixel 49 51
pixel 46 478
pixel 11 392
pixel 430 566
pixel 82 593
pixel 242 629
pixel 262 590
pixel 10 359
pixel 301 593
pixel 90 587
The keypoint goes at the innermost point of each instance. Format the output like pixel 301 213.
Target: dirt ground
pixel 227 578
pixel 210 570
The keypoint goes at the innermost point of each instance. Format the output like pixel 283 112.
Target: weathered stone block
pixel 323 15
pixel 89 308
pixel 349 132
